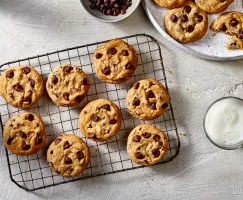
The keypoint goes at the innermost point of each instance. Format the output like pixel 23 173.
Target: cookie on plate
pixel 147 99
pixel 213 6
pixel 170 3
pixel 115 61
pixel 21 86
pixel 235 43
pixel 146 145
pixel 186 24
pixel 68 155
pixel 100 120
pixel 67 85
pixel 24 134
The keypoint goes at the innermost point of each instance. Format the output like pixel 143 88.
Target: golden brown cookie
pixel 235 43
pixel 67 85
pixel 24 134
pixel 146 145
pixel 100 120
pixel 21 86
pixel 186 24
pixel 147 99
pixel 170 4
pixel 213 6
pixel 68 155
pixel 115 61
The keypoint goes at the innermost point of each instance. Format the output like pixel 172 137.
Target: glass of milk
pixel 223 123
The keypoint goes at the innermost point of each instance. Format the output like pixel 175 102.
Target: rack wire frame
pixel 32 172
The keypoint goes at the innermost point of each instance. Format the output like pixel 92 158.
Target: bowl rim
pixel 233 147
pixel 111 20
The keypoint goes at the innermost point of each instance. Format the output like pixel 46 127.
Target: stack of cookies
pixel 68 155
pixel 187 21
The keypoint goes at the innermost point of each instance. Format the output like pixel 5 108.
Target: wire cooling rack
pixel 32 172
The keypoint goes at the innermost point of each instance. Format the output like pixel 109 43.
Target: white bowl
pixel 107 18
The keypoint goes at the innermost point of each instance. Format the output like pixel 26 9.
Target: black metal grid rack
pixel 32 172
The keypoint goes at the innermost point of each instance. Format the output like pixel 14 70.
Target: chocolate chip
pixel 38 140
pixel 188 9
pixel 29 117
pixel 94 118
pixel 54 79
pixel 32 83
pixel 199 18
pixel 146 135
pixel 55 94
pixel 125 53
pixel 66 96
pixel 150 94
pixel 85 112
pixel 79 98
pixel 139 155
pixel 153 106
pixel 234 22
pixel 184 18
pixel 106 107
pixel 66 145
pixel 106 71
pixel 51 152
pixel 68 160
pixel 11 95
pixel 112 51
pixel 80 155
pixel 136 102
pixel 26 70
pixel 165 105
pixel 57 141
pixel 241 35
pixel 129 66
pixel 23 135
pixel 27 99
pixel 98 55
pixel 84 81
pixel 113 121
pixel 174 18
pixel 50 85
pixel 223 27
pixel 136 85
pixel 160 144
pixel 9 141
pixel 136 138
pixel 156 138
pixel 91 135
pixel 18 87
pixel 156 153
pixel 10 74
pixel 25 146
pixel 68 69
pixel 190 28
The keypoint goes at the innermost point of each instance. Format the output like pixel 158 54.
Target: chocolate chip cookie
pixel 170 4
pixel 146 145
pixel 186 24
pixel 67 85
pixel 213 6
pixel 147 99
pixel 68 155
pixel 115 61
pixel 235 43
pixel 24 134
pixel 100 120
pixel 21 86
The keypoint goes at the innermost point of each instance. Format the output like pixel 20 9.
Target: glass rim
pixel 233 147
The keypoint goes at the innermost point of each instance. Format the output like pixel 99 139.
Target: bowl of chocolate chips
pixel 110 10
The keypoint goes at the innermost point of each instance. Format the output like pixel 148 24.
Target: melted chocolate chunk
pixel 94 118
pixel 29 117
pixel 156 153
pixel 150 94
pixel 129 66
pixel 10 74
pixel 54 79
pixel 188 9
pixel 136 102
pixel 106 71
pixel 136 138
pixel 106 107
pixel 80 155
pixel 146 135
pixel 174 18
pixel 68 69
pixel 9 141
pixel 184 18
pixel 199 18
pixel 18 87
pixel 84 81
pixel 153 106
pixel 23 135
pixel 112 51
pixel 26 70
pixel 165 105
pixel 136 85
pixel 51 152
pixel 79 98
pixel 27 99
pixel 66 96
pixel 68 160
pixel 25 146
pixel 139 155
pixel 190 28
pixel 57 141
pixel 38 139
pixel 234 22
pixel 113 121
pixel 223 27
pixel 125 53
pixel 98 56
pixel 156 138
pixel 32 83
pixel 66 145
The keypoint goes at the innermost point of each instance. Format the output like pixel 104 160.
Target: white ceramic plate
pixel 107 18
pixel 210 47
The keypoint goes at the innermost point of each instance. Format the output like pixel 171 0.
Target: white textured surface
pixel 201 171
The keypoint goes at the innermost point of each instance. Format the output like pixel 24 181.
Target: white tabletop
pixel 201 171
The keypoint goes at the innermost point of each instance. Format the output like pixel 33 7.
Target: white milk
pixel 224 122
